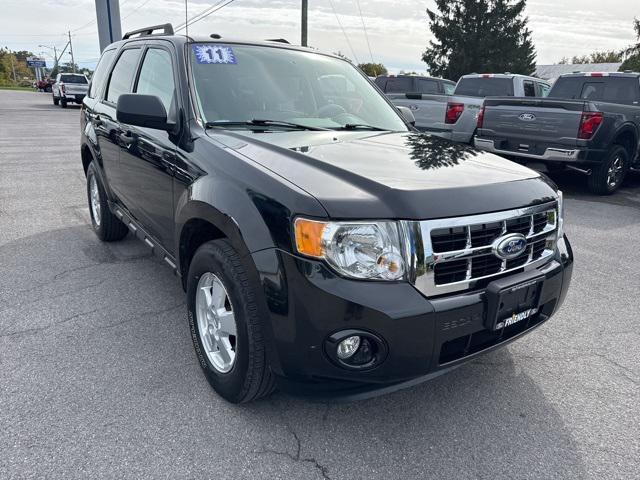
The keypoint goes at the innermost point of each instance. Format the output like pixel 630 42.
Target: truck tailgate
pixel 427 109
pixel 531 125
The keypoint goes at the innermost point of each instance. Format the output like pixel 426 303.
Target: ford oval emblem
pixel 527 117
pixel 510 246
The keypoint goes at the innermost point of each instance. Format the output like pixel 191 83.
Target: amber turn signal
pixel 309 237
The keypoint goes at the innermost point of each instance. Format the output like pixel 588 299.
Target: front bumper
pixel 424 337
pixel 551 154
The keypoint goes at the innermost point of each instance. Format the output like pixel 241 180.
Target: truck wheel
pixel 225 324
pixel 63 102
pixel 56 100
pixel 607 177
pixel 105 224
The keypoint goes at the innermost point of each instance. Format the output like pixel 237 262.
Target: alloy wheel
pixel 216 322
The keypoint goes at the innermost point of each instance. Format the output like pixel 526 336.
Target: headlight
pixel 363 250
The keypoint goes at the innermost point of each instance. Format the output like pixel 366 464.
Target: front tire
pixel 56 100
pixel 607 177
pixel 63 102
pixel 226 327
pixel 105 224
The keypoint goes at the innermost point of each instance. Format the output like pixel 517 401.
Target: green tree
pixel 610 56
pixel 632 54
pixel 479 36
pixel 373 69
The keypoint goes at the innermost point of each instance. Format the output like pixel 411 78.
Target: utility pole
pixel 13 67
pixel 73 63
pixel 108 17
pixel 305 15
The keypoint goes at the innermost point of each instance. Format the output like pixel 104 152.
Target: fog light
pixel 348 347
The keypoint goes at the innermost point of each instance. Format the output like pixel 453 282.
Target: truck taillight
pixel 480 117
pixel 589 123
pixel 454 110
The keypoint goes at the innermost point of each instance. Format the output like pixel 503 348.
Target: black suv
pixel 324 245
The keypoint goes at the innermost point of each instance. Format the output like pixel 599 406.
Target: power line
pixel 344 32
pixel 135 9
pixel 364 27
pixel 215 8
pixel 187 21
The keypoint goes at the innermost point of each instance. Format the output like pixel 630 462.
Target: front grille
pixel 459 252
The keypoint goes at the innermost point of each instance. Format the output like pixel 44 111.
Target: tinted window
pixel 449 88
pixel 381 82
pixel 542 89
pixel 606 89
pixel 399 85
pixel 156 76
pixel 485 87
pixel 101 72
pixel 122 74
pixel 427 86
pixel 529 89
pixel 73 79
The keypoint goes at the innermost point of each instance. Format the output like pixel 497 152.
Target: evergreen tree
pixel 479 36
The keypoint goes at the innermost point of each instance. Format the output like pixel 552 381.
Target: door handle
pixel 126 138
pixel 97 121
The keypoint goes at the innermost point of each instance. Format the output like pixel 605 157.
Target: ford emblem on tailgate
pixel 527 117
pixel 509 246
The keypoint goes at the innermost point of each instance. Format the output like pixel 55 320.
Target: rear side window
pixel 427 86
pixel 449 88
pixel 624 90
pixel 529 89
pixel 99 76
pixel 156 76
pixel 74 79
pixel 485 87
pixel 399 85
pixel 542 89
pixel 121 80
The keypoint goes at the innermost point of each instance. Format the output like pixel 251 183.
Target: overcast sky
pixel 398 29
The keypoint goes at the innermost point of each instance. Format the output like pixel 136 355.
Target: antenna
pixel 186 17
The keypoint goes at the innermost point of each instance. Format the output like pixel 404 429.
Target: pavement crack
pixel 47 327
pixel 296 457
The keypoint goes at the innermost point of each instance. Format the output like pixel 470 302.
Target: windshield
pixel 485 87
pixel 73 79
pixel 241 83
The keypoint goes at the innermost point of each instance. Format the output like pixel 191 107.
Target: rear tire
pixel 56 100
pixel 243 374
pixel 607 177
pixel 105 224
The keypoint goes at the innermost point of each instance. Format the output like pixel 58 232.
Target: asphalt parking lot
pixel 98 378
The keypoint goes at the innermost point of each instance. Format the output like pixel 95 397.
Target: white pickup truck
pixel 69 87
pixel 454 117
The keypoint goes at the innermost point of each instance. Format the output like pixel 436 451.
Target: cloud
pixel 398 30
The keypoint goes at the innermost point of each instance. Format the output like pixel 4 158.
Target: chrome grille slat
pixel 432 275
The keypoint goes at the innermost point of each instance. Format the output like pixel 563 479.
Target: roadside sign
pixel 36 62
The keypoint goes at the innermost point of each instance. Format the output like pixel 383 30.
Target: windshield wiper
pixel 256 122
pixel 362 126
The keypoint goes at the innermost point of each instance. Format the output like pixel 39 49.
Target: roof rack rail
pixel 278 40
pixel 167 29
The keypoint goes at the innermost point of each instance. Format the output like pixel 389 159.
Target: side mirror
pixel 142 111
pixel 407 114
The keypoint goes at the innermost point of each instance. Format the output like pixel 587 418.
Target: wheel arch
pixel 627 136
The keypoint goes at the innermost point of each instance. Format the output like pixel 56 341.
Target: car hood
pixel 392 175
